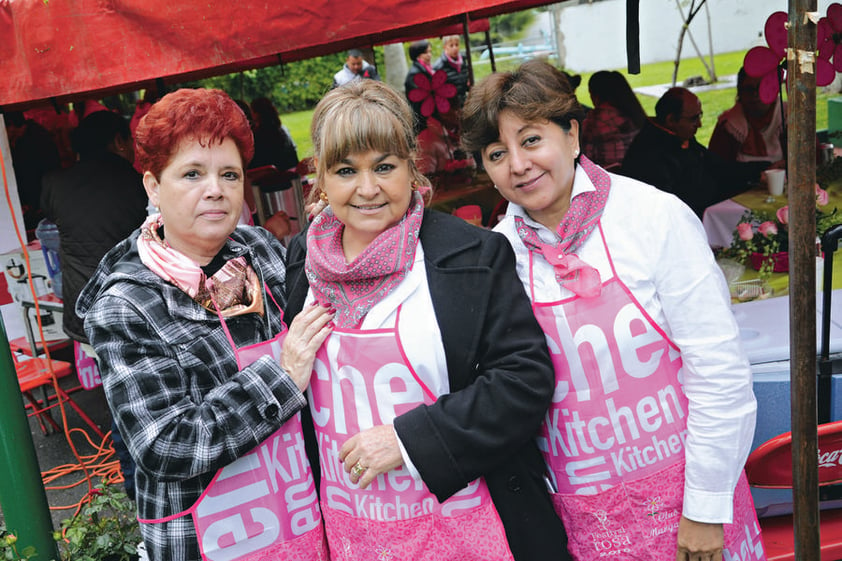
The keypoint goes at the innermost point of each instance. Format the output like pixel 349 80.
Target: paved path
pixel 53 450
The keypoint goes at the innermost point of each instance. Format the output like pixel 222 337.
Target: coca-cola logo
pixel 830 459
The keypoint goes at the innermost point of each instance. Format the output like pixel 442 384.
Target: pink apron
pixel 86 367
pixel 614 436
pixel 362 378
pixel 263 505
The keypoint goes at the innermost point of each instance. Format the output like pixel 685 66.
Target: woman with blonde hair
pixel 426 396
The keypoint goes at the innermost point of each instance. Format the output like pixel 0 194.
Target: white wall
pixel 8 237
pixel 594 35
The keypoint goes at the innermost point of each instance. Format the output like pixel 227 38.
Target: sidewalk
pixel 54 451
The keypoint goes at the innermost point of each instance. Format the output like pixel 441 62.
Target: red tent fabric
pixel 59 49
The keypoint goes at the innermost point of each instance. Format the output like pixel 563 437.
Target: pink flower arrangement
pixel 765 234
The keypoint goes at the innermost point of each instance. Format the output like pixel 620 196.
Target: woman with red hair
pixel 202 375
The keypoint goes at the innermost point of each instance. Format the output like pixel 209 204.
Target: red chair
pixel 34 373
pixel 770 467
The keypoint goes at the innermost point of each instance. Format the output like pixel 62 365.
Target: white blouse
pixel 661 254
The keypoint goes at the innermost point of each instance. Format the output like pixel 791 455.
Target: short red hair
pixel 204 114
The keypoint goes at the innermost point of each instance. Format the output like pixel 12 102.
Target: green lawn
pixel 713 102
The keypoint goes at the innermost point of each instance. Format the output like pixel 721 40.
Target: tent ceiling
pixel 66 49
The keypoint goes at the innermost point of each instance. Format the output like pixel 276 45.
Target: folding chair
pixel 770 467
pixel 34 373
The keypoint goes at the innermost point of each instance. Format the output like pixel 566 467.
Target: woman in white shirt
pixel 653 412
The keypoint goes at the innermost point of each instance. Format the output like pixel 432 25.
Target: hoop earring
pixel 323 197
pixel 414 187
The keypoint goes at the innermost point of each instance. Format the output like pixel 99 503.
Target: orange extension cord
pixel 102 463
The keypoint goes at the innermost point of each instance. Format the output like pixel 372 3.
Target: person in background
pixel 667 155
pixel 436 360
pixel 273 144
pixel 454 65
pixel 421 56
pixel 638 319
pixel 95 204
pixel 574 80
pixel 355 67
pixel 751 130
pixel 615 120
pixel 34 153
pixel 198 366
pixel 56 118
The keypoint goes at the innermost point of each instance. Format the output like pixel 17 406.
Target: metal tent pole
pixel 22 495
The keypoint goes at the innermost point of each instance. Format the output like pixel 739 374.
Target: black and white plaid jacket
pixel 172 382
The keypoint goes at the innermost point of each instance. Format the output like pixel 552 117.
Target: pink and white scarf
pixel 456 63
pixel 354 288
pixel 233 290
pixel 581 218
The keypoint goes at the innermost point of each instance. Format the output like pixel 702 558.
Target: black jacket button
pixel 514 483
pixel 270 413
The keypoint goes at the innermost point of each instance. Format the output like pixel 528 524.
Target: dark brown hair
pixel 535 92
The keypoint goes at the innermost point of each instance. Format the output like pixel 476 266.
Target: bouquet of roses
pixel 762 239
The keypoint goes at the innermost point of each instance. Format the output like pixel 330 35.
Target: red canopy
pixel 63 48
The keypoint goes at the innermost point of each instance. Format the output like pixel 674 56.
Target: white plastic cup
pixel 775 179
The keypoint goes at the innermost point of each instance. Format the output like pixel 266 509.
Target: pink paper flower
pixel 768 229
pixel 745 231
pixel 783 215
pixel 822 197
pixel 829 42
pixel 433 94
pixel 765 62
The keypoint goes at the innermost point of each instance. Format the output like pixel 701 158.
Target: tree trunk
pixel 396 66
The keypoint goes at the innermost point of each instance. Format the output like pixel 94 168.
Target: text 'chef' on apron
pixel 362 378
pixel 615 433
pixel 264 504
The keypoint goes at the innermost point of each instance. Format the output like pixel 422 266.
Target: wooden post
pixel 490 50
pixel 801 172
pixel 466 33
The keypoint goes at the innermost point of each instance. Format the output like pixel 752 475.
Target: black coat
pixel 499 369
pixel 95 204
pixel 693 173
pixel 458 78
pixel 409 85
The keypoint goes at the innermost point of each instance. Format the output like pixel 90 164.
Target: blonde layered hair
pixel 360 116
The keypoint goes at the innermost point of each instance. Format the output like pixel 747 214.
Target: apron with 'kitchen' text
pixel 362 378
pixel 264 504
pixel 615 433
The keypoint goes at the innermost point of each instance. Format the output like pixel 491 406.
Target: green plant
pixel 8 547
pixel 104 530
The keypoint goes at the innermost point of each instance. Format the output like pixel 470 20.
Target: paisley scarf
pixel 233 290
pixel 581 218
pixel 354 288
